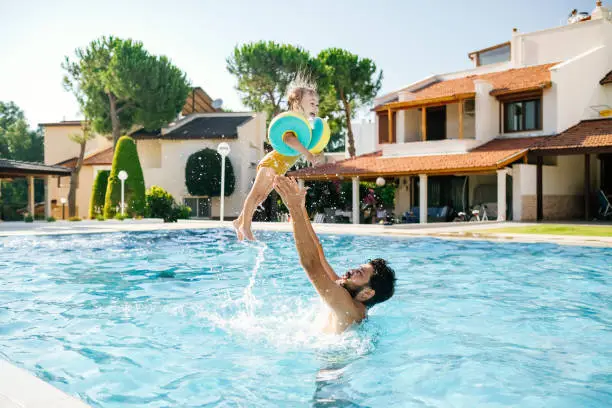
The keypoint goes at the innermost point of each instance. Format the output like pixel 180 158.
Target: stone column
pixel 355 200
pixel 47 197
pixel 423 198
pixel 501 194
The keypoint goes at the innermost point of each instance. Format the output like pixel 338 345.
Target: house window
pixel 495 55
pixel 521 116
pixel 200 206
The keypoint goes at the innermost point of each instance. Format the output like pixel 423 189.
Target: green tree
pixel 354 80
pixel 98 193
pixel 265 69
pixel 125 158
pixel 120 85
pixel 17 141
pixel 81 139
pixel 203 174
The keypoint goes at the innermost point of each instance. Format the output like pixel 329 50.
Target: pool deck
pixel 17 385
pixel 464 231
pixel 20 389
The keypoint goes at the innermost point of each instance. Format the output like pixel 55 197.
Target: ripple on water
pixel 193 318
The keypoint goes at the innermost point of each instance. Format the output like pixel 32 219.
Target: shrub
pixel 126 158
pixel 159 202
pixel 203 174
pixel 184 212
pixel 74 219
pixel 120 217
pixel 98 193
pixel 50 219
pixel 28 218
pixel 100 218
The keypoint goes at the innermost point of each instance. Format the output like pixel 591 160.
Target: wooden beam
pixel 424 124
pixel 539 198
pixel 390 117
pixel 441 100
pixel 460 119
pixel 587 187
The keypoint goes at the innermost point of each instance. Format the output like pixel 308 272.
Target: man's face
pixel 356 279
pixel 310 105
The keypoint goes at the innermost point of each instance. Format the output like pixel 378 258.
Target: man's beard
pixel 352 291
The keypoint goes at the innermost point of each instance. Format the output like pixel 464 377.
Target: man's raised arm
pixel 308 245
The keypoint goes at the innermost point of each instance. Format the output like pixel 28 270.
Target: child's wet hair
pixel 301 86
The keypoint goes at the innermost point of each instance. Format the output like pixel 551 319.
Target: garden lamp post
pixel 123 176
pixel 223 149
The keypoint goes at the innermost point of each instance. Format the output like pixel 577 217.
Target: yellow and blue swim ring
pixel 289 122
pixel 320 136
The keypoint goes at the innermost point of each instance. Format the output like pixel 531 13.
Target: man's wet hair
pixel 382 282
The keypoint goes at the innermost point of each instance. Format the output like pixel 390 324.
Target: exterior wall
pixel 452 123
pixel 487 112
pixel 365 134
pixel 402 197
pixel 562 188
pixel 59 147
pixel 448 146
pixel 578 88
pixel 163 164
pixel 558 43
pixel 149 153
pixel 246 151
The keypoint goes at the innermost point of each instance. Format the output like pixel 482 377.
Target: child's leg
pixel 264 183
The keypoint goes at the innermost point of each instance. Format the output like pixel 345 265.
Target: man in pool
pixel 348 297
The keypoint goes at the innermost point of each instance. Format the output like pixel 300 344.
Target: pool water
pixel 197 319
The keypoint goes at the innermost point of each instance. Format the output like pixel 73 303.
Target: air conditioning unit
pixel 469 107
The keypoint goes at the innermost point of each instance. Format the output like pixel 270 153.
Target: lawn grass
pixel 556 229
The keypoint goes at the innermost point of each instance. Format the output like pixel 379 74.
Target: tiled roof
pixel 103 157
pixel 509 81
pixel 16 167
pixel 63 123
pixel 493 155
pixel 203 127
pixel 587 134
pixel 607 79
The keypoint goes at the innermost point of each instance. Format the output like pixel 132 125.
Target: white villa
pixel 163 155
pixel 527 132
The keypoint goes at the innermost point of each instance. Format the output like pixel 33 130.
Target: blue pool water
pixel 194 318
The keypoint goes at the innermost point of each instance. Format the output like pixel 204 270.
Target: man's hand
pixel 293 196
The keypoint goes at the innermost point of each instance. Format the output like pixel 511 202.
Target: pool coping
pixel 475 231
pixel 20 389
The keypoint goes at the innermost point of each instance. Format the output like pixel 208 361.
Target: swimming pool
pixel 194 318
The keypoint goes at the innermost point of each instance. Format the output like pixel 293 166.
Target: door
pixel 436 123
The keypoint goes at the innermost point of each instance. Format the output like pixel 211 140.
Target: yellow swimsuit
pixel 278 162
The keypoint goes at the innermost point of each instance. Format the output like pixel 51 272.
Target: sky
pixel 407 39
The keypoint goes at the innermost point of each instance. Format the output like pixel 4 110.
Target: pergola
pixel 11 169
pixel 586 138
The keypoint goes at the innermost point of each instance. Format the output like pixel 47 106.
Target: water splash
pixel 248 298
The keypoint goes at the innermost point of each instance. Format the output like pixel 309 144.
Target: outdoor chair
pixel 319 218
pixel 605 208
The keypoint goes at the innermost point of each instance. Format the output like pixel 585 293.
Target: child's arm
pixel 294 143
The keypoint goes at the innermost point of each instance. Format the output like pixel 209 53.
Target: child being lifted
pixel 303 104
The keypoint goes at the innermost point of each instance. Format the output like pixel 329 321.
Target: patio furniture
pixel 605 208
pixel 319 218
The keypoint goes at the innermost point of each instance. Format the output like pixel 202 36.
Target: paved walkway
pixel 469 230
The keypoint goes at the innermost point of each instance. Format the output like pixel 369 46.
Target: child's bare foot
pixel 238 229
pixel 246 231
